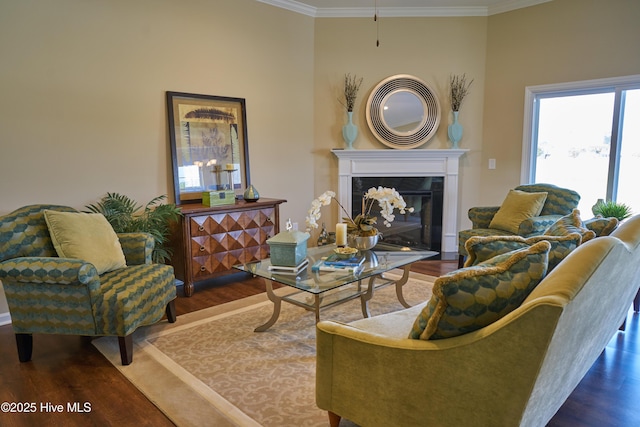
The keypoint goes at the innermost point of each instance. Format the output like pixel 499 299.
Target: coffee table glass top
pixel 382 258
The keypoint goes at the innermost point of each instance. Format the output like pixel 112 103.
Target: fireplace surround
pixel 405 163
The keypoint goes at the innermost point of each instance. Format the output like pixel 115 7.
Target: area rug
pixel 211 368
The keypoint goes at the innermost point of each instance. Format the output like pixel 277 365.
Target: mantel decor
pixel 459 89
pixel 403 112
pixel 209 146
pixel 351 88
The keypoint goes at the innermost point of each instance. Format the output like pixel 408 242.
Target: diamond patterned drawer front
pixel 209 241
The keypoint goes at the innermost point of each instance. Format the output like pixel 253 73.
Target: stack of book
pixel 338 262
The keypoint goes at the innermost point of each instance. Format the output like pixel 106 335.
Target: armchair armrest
pixel 481 216
pixel 137 247
pixel 537 225
pixel 49 270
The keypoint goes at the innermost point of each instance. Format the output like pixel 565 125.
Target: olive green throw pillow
pixel 483 248
pixel 473 297
pixel 85 236
pixel 517 207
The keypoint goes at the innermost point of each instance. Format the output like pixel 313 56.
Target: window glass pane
pixel 628 192
pixel 573 140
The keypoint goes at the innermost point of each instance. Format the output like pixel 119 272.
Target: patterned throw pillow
pixel 601 226
pixel 570 224
pixel 473 297
pixel 483 248
pixel 516 207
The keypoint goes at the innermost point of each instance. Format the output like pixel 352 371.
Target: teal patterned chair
pixel 48 294
pixel 559 202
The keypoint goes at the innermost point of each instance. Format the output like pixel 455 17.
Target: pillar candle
pixel 341 234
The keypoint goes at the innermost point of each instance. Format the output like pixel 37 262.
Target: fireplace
pixel 439 167
pixel 420 229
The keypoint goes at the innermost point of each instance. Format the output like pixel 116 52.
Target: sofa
pixel 517 371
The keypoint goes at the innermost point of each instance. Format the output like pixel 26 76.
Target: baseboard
pixel 5 319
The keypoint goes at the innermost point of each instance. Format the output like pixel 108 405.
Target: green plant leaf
pixel 127 216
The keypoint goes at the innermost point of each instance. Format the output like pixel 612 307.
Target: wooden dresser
pixel 208 241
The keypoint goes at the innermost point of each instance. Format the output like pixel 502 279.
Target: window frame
pixel 533 94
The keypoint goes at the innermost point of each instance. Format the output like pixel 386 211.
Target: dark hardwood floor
pixel 68 369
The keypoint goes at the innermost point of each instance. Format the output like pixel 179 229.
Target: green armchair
pixel 52 295
pixel 559 202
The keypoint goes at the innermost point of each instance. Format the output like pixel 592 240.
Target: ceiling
pixel 400 8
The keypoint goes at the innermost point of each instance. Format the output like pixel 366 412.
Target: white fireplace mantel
pixel 418 162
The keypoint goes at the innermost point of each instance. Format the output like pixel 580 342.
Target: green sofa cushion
pixel 473 297
pixel 568 224
pixel 483 248
pixel 85 236
pixel 516 207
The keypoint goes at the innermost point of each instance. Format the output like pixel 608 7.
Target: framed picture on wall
pixel 209 147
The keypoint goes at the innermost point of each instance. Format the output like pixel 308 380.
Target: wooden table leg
pixel 277 301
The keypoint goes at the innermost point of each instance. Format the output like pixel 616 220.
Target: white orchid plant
pixel 364 224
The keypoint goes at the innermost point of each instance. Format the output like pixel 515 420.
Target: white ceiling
pixel 400 8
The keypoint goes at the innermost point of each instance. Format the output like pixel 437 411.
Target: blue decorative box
pixel 288 248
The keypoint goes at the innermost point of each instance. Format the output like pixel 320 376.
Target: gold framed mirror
pixel 403 112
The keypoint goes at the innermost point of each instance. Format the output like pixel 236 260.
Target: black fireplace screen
pixel 421 229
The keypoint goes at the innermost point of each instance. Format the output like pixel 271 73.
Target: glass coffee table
pixel 316 290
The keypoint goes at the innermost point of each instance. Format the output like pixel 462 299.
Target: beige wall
pixel 82 84
pixel 555 42
pixel 429 48
pixel 82 109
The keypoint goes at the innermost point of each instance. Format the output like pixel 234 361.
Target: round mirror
pixel 403 112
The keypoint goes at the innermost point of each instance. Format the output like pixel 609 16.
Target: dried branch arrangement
pixel 459 90
pixel 351 88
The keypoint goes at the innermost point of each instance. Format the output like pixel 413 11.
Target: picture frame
pixel 209 145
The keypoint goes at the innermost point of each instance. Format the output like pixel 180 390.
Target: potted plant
pixel 611 209
pixel 126 216
pixel 361 230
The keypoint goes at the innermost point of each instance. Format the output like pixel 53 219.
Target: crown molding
pixel 401 12
pixel 293 6
pixel 509 5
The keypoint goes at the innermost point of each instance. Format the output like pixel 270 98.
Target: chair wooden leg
pixel 171 311
pixel 25 346
pixel 126 349
pixel 334 419
pixel 623 326
pixel 460 261
pixel 636 302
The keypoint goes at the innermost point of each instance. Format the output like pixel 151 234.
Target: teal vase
pixel 349 131
pixel 251 194
pixel 455 130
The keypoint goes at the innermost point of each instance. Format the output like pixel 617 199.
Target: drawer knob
pixel 203 268
pixel 201 248
pixel 201 228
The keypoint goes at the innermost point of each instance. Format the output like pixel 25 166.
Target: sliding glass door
pixel 585 138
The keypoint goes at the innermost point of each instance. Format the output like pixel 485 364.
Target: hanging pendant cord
pixel 375 19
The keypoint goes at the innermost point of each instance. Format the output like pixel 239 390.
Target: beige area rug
pixel 211 369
